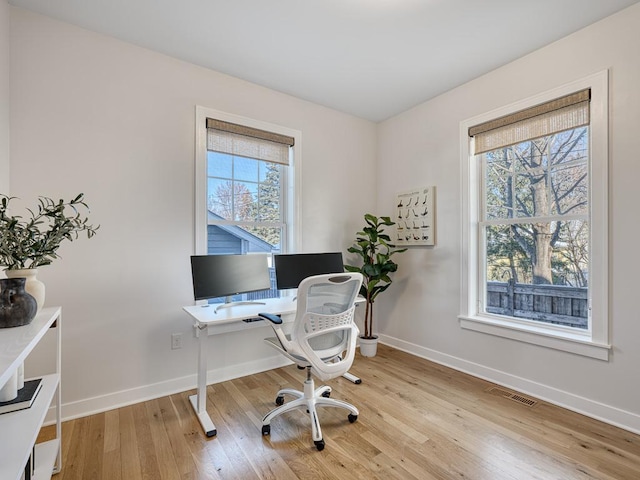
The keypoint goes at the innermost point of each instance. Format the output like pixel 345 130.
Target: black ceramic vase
pixel 17 307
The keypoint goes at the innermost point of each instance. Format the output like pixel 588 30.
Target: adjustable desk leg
pixel 199 400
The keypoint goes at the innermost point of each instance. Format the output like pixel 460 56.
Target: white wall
pixel 4 97
pixel 421 147
pixel 95 115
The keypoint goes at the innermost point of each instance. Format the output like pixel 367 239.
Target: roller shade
pixel 564 113
pixel 233 139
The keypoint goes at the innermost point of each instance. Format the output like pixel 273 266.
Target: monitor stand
pixel 228 304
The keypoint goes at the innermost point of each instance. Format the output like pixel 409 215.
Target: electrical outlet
pixel 176 341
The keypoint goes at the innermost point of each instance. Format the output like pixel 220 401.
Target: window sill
pixel 564 341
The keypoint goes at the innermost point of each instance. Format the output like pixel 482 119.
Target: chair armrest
pixel 276 321
pixel 271 317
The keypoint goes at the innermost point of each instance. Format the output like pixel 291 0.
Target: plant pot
pixel 368 346
pixel 33 287
pixel 17 307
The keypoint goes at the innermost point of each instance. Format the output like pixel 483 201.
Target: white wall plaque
pixel 415 217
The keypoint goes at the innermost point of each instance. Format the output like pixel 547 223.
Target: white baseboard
pixel 103 403
pixel 599 411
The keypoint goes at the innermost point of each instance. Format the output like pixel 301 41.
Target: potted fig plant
pixel 375 250
pixel 32 242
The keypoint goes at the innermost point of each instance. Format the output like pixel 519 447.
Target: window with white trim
pixel 534 214
pixel 244 186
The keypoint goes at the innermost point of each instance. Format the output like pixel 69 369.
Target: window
pixel 534 214
pixel 244 184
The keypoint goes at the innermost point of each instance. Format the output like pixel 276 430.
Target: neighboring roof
pixel 241 233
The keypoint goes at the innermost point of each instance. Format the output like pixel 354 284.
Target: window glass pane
pixel 539 271
pixel 263 168
pixel 219 197
pixel 498 184
pixel 506 259
pixel 541 253
pixel 245 169
pixel 570 190
pixel 570 261
pixel 232 200
pixel 219 165
pixel 269 193
pixel 531 194
pixel 245 195
pixel 570 146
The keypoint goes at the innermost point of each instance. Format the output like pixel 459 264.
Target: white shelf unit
pixel 19 430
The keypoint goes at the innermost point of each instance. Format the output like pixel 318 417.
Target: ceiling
pixel 370 58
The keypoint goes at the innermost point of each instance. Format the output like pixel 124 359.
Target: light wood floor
pixel 418 420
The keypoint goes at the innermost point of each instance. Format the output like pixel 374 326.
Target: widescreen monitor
pixel 291 269
pixel 227 275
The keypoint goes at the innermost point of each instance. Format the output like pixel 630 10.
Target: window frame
pixel 594 342
pixel 292 177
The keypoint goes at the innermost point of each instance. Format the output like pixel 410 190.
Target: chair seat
pixel 319 344
pixel 275 343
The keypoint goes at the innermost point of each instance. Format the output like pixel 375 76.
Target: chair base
pixel 309 399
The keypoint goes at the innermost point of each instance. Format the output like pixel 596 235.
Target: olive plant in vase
pixel 375 250
pixel 32 242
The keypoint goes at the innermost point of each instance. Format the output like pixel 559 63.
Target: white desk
pixel 226 320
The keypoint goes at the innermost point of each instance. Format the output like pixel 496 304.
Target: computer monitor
pixel 291 269
pixel 228 275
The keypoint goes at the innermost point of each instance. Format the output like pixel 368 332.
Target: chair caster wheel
pixel 326 394
pixel 279 400
pixel 266 429
pixel 352 418
pixel 358 381
pixel 319 444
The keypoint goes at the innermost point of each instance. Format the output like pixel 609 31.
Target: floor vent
pixel 516 397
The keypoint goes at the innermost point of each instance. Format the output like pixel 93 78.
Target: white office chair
pixel 323 341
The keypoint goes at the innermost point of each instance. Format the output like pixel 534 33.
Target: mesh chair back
pixel 324 327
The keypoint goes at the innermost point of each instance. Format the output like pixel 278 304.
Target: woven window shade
pixel 247 142
pixel 565 113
